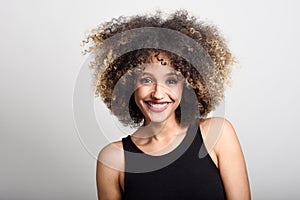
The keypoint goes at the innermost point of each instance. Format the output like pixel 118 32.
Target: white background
pixel 41 155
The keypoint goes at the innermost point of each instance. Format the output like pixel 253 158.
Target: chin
pixel 158 118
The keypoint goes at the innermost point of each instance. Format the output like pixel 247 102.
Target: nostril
pixel 157 94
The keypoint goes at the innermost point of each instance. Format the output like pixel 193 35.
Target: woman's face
pixel 158 92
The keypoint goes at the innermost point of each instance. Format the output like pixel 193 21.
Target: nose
pixel 158 92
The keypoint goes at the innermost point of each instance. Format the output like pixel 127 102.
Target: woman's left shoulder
pixel 218 120
pixel 221 127
pixel 230 158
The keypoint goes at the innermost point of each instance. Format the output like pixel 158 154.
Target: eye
pixel 172 81
pixel 145 81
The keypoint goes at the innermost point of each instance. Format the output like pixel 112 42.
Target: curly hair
pixel 114 73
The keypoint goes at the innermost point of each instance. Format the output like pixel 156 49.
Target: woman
pixel 166 91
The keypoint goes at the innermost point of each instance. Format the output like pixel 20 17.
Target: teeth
pixel 157 105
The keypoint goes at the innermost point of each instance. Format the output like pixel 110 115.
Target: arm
pixel 107 173
pixel 232 165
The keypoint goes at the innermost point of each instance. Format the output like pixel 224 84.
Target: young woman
pixel 167 96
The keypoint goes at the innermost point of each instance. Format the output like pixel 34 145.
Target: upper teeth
pixel 158 105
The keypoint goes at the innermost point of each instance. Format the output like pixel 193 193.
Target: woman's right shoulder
pixel 109 167
pixel 112 155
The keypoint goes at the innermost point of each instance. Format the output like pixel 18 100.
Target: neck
pixel 161 130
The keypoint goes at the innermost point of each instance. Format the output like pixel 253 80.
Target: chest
pixel 181 180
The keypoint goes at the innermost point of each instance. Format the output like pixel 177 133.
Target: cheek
pixel 177 92
pixel 137 99
pixel 136 96
pixel 139 94
pixel 143 91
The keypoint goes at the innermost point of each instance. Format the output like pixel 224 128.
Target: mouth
pixel 157 106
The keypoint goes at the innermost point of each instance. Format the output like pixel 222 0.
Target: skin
pixel 166 134
pixel 158 84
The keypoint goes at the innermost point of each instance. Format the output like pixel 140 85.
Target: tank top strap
pixel 128 145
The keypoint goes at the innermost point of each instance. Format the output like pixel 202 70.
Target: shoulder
pixel 217 124
pixel 206 122
pixel 109 166
pixel 221 130
pixel 230 157
pixel 112 155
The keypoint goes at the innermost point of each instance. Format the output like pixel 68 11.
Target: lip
pixel 156 106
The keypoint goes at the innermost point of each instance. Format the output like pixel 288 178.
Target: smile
pixel 157 107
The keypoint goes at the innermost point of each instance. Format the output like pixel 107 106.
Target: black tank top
pixel 181 174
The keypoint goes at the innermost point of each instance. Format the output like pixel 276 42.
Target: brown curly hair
pixel 114 72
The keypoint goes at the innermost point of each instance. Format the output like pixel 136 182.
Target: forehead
pixel 158 69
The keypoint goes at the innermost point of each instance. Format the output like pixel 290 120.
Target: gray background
pixel 41 153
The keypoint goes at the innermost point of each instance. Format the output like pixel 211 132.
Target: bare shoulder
pixel 205 122
pixel 223 124
pixel 231 160
pixel 112 155
pixel 112 147
pixel 109 166
pixel 223 132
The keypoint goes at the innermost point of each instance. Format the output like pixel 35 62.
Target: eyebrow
pixel 168 74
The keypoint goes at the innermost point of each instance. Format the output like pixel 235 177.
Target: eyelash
pixel 145 80
pixel 149 80
pixel 172 81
